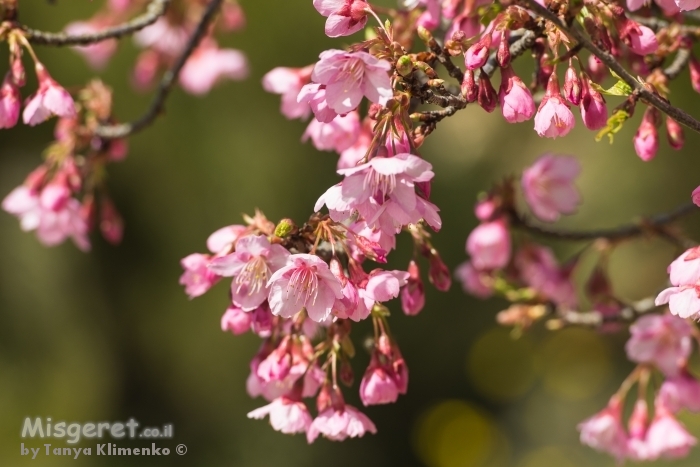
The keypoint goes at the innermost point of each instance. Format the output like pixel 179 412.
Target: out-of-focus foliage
pixel 110 335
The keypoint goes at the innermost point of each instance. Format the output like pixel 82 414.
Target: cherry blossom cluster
pixel 66 196
pixel 300 289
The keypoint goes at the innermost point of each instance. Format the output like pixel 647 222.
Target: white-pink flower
pixel 50 99
pixel 553 117
pixel 489 245
pixel 378 386
pixel 604 431
pixel 348 76
pixel 236 320
pixel 251 265
pixel 680 392
pixel 163 37
pixel 548 186
pixel 663 340
pixel 383 192
pixel 684 297
pixel 314 95
pixel 666 437
pixel 337 135
pixel 474 282
pixel 197 278
pixel 209 64
pixel 288 82
pixel 345 17
pixel 98 54
pixel 286 415
pixel 338 424
pixel 55 217
pixel 687 5
pixel 305 282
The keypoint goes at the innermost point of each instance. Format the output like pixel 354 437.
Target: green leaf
pixel 615 123
pixel 618 89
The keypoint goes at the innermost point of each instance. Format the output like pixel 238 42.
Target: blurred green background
pixel 110 335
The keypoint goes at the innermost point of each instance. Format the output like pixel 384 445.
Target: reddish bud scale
pixel 503 54
pixel 487 96
pixel 470 90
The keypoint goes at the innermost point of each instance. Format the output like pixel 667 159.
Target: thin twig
pixel 155 10
pixel 166 83
pixel 520 42
pixel 636 229
pixel 651 98
pixel 678 65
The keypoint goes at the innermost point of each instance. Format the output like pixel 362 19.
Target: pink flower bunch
pixel 164 41
pixel 538 268
pixel 664 341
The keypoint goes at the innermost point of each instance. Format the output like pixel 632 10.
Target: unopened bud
pixel 572 86
pixel 424 34
pixel 285 228
pixel 503 54
pixel 438 274
pixel 674 132
pixel 470 90
pixel 487 97
pixel 346 374
pixel 404 65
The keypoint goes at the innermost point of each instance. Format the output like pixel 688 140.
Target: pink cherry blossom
pixel 50 99
pixel 687 5
pixel 516 100
pixel 383 192
pixel 163 37
pixel 221 241
pixel 97 55
pixel 197 278
pixel 305 282
pixel 338 135
pixel 54 217
pixel 683 298
pixel 10 100
pixel 378 386
pixel 251 265
pixel 288 82
pixel 696 196
pixel 489 245
pixel 663 340
pixel 538 268
pixel 474 282
pixel 209 64
pixel 644 42
pixel 286 415
pixel 475 57
pixel 666 437
pixel 548 186
pixel 345 17
pixel 680 392
pixel 553 117
pixel 354 154
pixel 350 75
pixel 604 431
pixel 314 95
pixel 339 424
pixel 236 320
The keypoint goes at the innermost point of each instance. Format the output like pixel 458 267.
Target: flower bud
pixel 646 140
pixel 285 228
pixel 438 274
pixel 404 65
pixel 478 53
pixel 487 96
pixel 503 54
pixel 470 90
pixel 694 66
pixel 413 293
pixel 111 223
pixel 572 86
pixel 674 132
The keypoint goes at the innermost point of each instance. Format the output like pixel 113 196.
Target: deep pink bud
pixel 639 38
pixel 594 112
pixel 470 90
pixel 487 98
pixel 111 223
pixel 413 293
pixel 476 55
pixel 9 102
pixel 503 54
pixel 378 387
pixel 674 132
pixel 438 274
pixel 694 66
pixel 646 141
pixel 572 86
pixel 516 100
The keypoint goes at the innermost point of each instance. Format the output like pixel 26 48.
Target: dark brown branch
pixel 654 224
pixel 166 83
pixel 155 10
pixel 445 59
pixel 649 97
pixel 678 65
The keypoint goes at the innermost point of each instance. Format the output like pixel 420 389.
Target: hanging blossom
pixel 548 186
pixel 684 297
